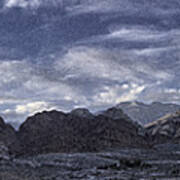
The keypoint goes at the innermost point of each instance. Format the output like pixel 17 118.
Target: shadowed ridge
pixel 8 137
pixel 2 123
pixel 78 131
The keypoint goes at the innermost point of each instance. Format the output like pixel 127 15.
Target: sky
pixel 65 54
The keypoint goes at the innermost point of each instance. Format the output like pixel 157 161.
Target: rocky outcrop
pixel 123 164
pixel 4 152
pixel 147 113
pixel 78 131
pixel 166 129
pixel 8 137
pixel 116 112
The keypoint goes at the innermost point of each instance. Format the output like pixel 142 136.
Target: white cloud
pixel 25 90
pixel 19 81
pixel 18 113
pixel 12 3
pixel 116 94
pixel 84 76
pixel 125 86
pixel 89 74
pixel 114 65
pixel 11 71
pixel 171 90
pixel 33 107
pixel 37 3
pixel 31 3
pixel 93 62
pixel 137 34
pixel 97 6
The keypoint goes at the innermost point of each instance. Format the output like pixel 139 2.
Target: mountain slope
pixel 8 137
pixel 166 129
pixel 78 131
pixel 146 113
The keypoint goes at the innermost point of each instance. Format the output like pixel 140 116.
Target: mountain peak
pixel 78 131
pixel 82 112
pixel 146 113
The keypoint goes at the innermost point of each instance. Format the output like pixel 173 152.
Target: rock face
pixel 78 131
pixel 166 129
pixel 146 113
pixel 122 164
pixel 4 152
pixel 8 136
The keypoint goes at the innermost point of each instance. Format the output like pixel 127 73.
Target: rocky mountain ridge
pixel 165 129
pixel 147 113
pixel 78 131
pixel 82 131
pixel 8 137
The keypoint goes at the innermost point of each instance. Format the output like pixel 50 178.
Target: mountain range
pixel 78 131
pixel 82 131
pixel 79 144
pixel 88 56
pixel 146 113
pixel 67 54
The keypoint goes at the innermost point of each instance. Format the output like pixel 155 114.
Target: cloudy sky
pixel 63 54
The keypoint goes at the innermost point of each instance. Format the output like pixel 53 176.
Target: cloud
pixel 124 74
pixel 23 3
pixel 25 90
pixel 139 34
pixel 19 3
pixel 29 108
pixel 97 6
pixel 23 80
pixel 73 6
pixel 117 94
pixel 18 113
pixel 36 3
pixel 131 52
pixel 172 91
pixel 146 39
pixel 129 7
pixel 86 61
pixel 88 76
pixel 168 95
pixel 108 64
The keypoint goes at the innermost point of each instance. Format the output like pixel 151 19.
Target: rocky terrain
pixel 124 164
pixel 79 131
pixel 146 113
pixel 8 137
pixel 165 129
pixel 80 145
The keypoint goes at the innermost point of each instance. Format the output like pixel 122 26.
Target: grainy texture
pixel 165 129
pixel 147 113
pixel 124 164
pixel 73 132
